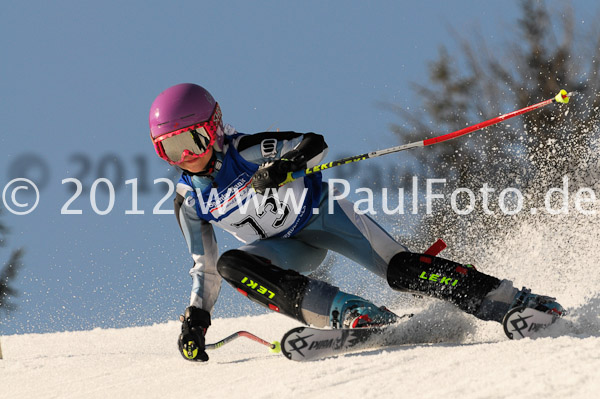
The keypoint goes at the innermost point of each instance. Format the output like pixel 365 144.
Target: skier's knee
pixel 232 262
pixel 409 271
pixel 400 271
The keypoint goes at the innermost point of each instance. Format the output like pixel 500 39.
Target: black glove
pixel 191 343
pixel 276 173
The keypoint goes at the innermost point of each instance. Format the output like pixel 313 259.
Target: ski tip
pixel 562 97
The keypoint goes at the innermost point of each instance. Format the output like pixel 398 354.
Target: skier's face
pixel 196 165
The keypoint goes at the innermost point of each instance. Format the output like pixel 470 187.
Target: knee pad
pixel 262 282
pixel 460 284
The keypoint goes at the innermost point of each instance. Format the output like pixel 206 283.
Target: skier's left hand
pixel 272 175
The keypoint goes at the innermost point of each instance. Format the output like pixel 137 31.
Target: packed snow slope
pixel 475 361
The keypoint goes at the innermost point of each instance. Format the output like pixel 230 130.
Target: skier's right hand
pixel 191 343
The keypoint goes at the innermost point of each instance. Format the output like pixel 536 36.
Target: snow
pixel 474 360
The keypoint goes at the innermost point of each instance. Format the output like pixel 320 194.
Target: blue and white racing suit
pixel 293 227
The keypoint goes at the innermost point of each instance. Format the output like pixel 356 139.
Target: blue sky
pixel 77 79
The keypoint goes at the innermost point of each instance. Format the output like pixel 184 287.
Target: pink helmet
pixel 183 108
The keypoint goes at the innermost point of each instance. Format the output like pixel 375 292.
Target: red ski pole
pixel 273 346
pixel 562 97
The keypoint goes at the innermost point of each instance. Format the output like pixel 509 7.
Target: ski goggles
pixel 194 140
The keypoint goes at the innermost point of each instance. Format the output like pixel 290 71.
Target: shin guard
pixel 460 284
pixel 270 286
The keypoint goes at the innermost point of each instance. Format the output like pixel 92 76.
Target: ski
pixel 311 343
pixel 522 322
pixel 308 343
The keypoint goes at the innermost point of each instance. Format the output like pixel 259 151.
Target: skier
pixel 239 182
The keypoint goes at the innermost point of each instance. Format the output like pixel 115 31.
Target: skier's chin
pixel 196 165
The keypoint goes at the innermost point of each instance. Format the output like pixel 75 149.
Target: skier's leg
pixel 288 253
pixel 305 299
pixel 355 236
pixel 364 241
pixel 484 296
pixel 460 284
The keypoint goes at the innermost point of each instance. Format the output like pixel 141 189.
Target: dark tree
pixel 480 80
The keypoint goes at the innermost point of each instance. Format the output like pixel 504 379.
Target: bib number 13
pixel 271 208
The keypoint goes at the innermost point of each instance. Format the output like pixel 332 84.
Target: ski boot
pixel 504 298
pixel 529 313
pixel 546 304
pixel 350 311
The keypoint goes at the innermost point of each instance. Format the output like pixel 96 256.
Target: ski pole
pixel 274 346
pixel 562 97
